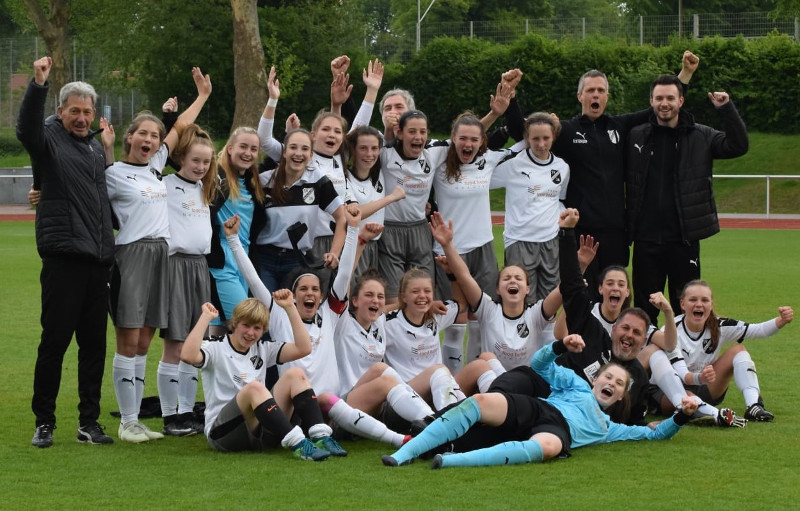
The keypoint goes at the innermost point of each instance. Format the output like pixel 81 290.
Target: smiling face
pixel 77 114
pixel 416 298
pixel 512 285
pixel 610 385
pixel 328 136
pixel 593 97
pixel 413 137
pixel 243 152
pixel 697 304
pixel 143 142
pixel 467 140
pixel 297 153
pixel 628 337
pixel 196 162
pixel 666 101
pixel 614 290
pixel 307 296
pixel 540 138
pixel 245 334
pixel 369 303
pixel 366 152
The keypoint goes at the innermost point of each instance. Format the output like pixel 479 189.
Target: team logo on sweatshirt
pixel 555 176
pixel 308 195
pixel 613 136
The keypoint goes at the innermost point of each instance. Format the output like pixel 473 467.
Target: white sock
pixel 124 372
pixel 141 369
pixel 167 381
pixel 666 378
pixel 187 387
pixel 474 345
pixel 453 347
pixel 319 430
pixel 389 371
pixel 485 380
pixel 293 437
pixel 496 366
pixel 744 374
pixel 444 389
pixel 362 424
pixel 407 403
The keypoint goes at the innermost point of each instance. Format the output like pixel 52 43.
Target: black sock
pixel 272 418
pixel 307 409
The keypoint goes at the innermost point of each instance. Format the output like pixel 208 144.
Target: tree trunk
pixel 53 30
pixel 249 76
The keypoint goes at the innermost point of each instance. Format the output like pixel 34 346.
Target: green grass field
pixel 752 272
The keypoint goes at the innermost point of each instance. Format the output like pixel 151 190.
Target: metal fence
pixel 17 54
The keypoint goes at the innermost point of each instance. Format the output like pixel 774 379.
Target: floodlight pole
pixel 680 19
pixel 420 18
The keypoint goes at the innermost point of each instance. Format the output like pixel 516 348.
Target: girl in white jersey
pixel 189 193
pixel 320 318
pixel 367 187
pixel 706 369
pixel 140 281
pixel 536 184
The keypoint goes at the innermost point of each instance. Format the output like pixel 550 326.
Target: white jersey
pixel 596 312
pixel 696 349
pixel 534 191
pixel 410 348
pixel 320 365
pixel 358 349
pixel 189 216
pixel 332 167
pixel 416 178
pixel 139 198
pixel 466 201
pixel 512 340
pixel 364 192
pixel 226 371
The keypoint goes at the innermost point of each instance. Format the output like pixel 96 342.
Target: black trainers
pixel 43 437
pixel 93 434
pixel 756 412
pixel 727 418
pixel 436 464
pixel 175 426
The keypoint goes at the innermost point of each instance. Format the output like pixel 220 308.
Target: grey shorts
pixel 540 260
pixel 229 432
pixel 140 284
pixel 403 246
pixel 189 289
pixel 369 259
pixel 482 264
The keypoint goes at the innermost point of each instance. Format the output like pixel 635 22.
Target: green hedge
pixel 762 75
pixel 9 145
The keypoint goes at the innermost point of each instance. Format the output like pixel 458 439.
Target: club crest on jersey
pixel 425 167
pixel 318 319
pixel 308 195
pixel 522 330
pixel 555 176
pixel 482 164
pixel 379 187
pixel 708 346
pixel 613 136
pixel 256 361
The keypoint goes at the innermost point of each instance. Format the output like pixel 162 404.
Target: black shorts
pixel 526 417
pixel 230 433
pixel 521 380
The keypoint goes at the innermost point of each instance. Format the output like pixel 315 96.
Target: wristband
pixel 451 277
pixel 272 102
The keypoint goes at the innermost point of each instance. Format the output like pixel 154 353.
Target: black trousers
pixel 658 264
pixel 74 301
pixel 613 251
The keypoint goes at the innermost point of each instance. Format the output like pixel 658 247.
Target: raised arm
pixel 302 341
pixel 340 91
pixel 257 287
pixel 107 137
pixel 203 84
pixel 689 64
pixel 266 125
pixel 668 339
pixel 369 208
pixel 373 77
pixel 342 281
pixel 443 233
pixel 190 350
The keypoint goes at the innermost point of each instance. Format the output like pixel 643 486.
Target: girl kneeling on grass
pixel 241 414
pixel 522 429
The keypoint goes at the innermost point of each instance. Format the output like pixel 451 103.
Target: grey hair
pixel 79 89
pixel 592 73
pixel 399 92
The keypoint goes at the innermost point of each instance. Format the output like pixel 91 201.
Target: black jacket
pixel 73 218
pixel 698 146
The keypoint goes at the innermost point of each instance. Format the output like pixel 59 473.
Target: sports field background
pixel 752 273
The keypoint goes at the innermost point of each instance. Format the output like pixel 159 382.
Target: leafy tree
pixel 52 25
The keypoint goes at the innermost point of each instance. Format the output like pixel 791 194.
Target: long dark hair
pixel 277 183
pixel 352 143
pixel 620 411
pixel 453 164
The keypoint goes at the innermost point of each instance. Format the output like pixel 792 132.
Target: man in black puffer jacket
pixel 75 240
pixel 669 195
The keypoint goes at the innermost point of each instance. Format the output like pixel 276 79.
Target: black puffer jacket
pixel 73 218
pixel 698 146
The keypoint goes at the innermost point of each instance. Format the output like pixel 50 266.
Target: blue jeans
pixel 274 264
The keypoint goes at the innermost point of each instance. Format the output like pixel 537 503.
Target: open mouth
pixel 614 299
pixel 513 290
pixel 698 314
pixel 607 392
pixel 595 105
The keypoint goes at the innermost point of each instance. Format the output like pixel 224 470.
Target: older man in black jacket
pixel 75 240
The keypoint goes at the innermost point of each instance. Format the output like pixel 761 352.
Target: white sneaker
pixel 132 432
pixel 151 435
